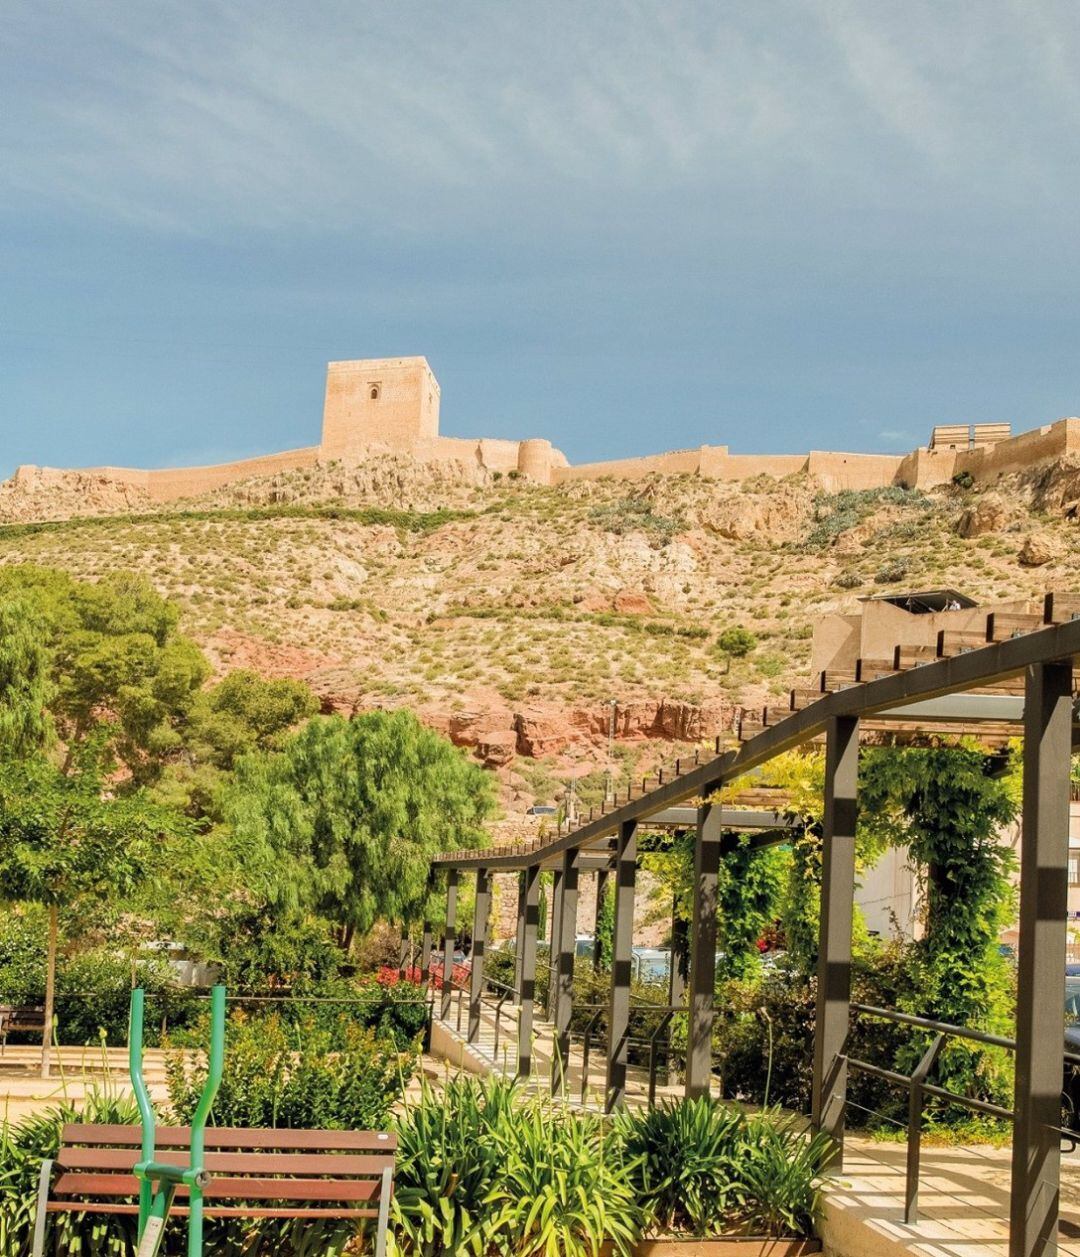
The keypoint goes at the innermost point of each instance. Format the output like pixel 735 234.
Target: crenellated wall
pixel 391 405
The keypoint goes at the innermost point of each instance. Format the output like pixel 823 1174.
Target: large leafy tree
pixel 243 713
pixel 66 842
pixel 343 822
pixel 121 673
pixel 25 687
pixel 948 807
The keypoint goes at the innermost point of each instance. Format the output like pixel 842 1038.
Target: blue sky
pixel 625 226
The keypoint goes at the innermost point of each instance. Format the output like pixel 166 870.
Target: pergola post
pixel 622 943
pixel 564 968
pixel 530 922
pixel 519 936
pixel 829 1086
pixel 479 943
pixel 1044 855
pixel 703 952
pixel 449 941
pixel 601 895
pixel 553 941
pixel 425 950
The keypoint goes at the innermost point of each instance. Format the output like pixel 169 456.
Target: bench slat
pixel 211 1211
pixel 292 1163
pixel 236 1138
pixel 78 1184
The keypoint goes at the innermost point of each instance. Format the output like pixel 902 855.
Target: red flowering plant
pixel 389 976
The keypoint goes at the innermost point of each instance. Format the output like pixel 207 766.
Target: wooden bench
pixel 316 1174
pixel 20 1017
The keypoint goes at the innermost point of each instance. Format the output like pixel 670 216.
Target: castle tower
pixel 378 405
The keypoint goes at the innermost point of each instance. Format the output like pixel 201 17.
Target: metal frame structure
pixel 1021 686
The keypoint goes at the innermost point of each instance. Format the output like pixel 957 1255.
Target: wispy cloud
pixel 206 113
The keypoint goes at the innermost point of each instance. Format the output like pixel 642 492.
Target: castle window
pixel 373 392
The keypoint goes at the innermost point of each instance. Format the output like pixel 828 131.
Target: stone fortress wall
pixel 391 405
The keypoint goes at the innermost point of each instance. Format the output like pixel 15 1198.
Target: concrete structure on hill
pixel 889 893
pixel 391 405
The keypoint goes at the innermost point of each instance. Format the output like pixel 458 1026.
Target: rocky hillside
pixel 513 616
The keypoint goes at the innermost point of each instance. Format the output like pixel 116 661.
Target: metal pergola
pixel 1020 686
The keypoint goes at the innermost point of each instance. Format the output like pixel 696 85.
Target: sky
pixel 625 226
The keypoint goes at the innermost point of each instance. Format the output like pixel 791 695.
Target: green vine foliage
pixel 749 892
pixel 605 926
pixel 942 805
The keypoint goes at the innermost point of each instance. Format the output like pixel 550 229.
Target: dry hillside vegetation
pixel 511 614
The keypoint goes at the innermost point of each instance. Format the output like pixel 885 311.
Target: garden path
pixel 75 1072
pixel 964 1191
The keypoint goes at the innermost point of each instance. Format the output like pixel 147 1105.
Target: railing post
pixel 703 952
pixel 425 951
pixel 1044 855
pixel 598 916
pixel 829 1090
pixel 479 945
pixel 621 964
pixel 564 969
pixel 519 936
pixel 916 1096
pixel 449 941
pixel 528 970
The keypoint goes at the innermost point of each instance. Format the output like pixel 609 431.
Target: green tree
pixel 345 819
pixel 65 843
pixel 735 643
pixel 25 688
pixel 945 807
pixel 749 893
pixel 243 713
pixel 119 669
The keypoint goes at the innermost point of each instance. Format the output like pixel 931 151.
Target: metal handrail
pixel 665 1021
pixel 917 1087
pixel 585 1052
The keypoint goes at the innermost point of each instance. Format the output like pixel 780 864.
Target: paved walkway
pixel 76 1071
pixel 963 1202
pixel 963 1191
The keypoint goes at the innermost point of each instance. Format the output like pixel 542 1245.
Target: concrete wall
pixel 169 483
pixel 379 403
pixel 676 462
pixel 836 472
pixel 718 464
pixel 924 468
pixel 879 627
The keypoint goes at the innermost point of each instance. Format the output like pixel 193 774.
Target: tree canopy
pixel 66 842
pixel 115 661
pixel 344 820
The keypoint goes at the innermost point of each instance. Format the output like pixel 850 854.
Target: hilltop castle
pixel 391 405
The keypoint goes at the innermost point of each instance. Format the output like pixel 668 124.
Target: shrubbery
pixel 305 1074
pixel 483 1169
pixel 93 987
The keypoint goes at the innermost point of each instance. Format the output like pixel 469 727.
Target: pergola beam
pixel 900 689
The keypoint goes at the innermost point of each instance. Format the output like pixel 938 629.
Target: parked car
pixel 541 809
pixel 652 964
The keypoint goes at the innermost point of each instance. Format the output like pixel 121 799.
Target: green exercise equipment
pixel 158 1180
